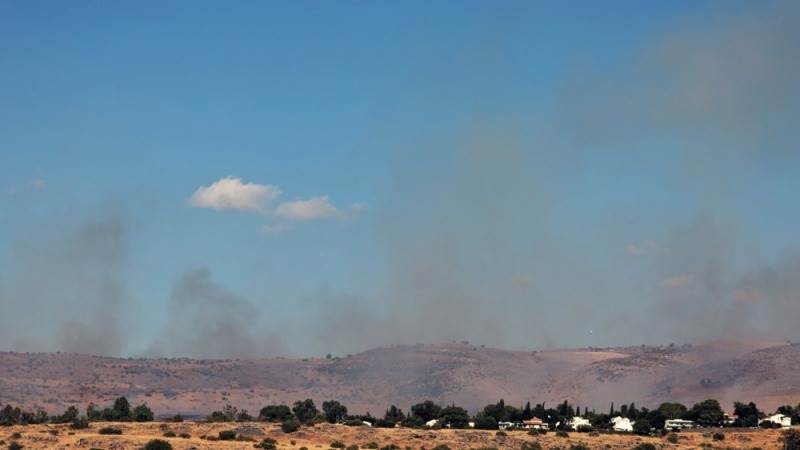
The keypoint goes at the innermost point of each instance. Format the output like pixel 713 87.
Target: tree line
pixel 707 413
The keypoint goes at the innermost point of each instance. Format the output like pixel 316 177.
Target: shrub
pixel 718 436
pixel 109 430
pixel 16 435
pixel 645 446
pixel 578 447
pixel 500 433
pixel 227 435
pixel 290 426
pixel 530 446
pixel 441 447
pixel 562 433
pixel 80 423
pixel 14 445
pixel 176 418
pixel 791 440
pixel 169 434
pixel 672 438
pixel 352 447
pixel 142 413
pixel 372 445
pixel 390 447
pixel 158 444
pixel 268 443
pixel 338 444
pixel 585 429
pixel 185 435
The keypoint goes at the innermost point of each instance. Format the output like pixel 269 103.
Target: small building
pixel 534 423
pixel 365 423
pixel 505 425
pixel 679 424
pixel 778 419
pixel 622 424
pixel 432 423
pixel 577 422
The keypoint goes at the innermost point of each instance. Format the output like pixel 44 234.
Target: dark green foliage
pixel 109 430
pixel 169 434
pixel 290 426
pixel 69 416
pixel 16 435
pixel 80 423
pixel 157 444
pixel 441 447
pixel 371 445
pixel 641 426
pixel 455 416
pixel 227 435
pixel 121 408
pixel 706 413
pixel 142 413
pixel 485 422
pixel 747 414
pixel 718 436
pixel 672 410
pixel 791 439
pixel 426 410
pixel 394 415
pixel 578 447
pixel 275 413
pixel 305 411
pixel 672 438
pixel 645 446
pixel 268 443
pixel 334 411
pixel 530 446
pixel 244 416
pixel 390 447
pixel 501 433
pixel 338 444
pixel 352 447
pixel 562 433
pixel 14 445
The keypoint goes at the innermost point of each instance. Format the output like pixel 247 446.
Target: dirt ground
pixel 135 435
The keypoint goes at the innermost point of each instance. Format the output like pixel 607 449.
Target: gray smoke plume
pixel 207 321
pixel 66 289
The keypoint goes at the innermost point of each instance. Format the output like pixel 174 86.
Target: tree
pixel 484 421
pixel 426 410
pixel 791 440
pixel 122 409
pixel 305 410
pixel 290 426
pixel 527 412
pixel 707 413
pixel 334 411
pixel 394 415
pixel 275 413
pixel 93 413
pixel 142 413
pixel 455 416
pixel 672 410
pixel 747 414
pixel 641 426
pixel 158 444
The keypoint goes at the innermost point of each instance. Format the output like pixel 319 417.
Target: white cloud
pixel 231 193
pixel 305 210
pixel 276 228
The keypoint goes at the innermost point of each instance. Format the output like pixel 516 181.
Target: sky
pixel 300 178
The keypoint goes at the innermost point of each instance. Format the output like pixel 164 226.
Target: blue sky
pixel 460 160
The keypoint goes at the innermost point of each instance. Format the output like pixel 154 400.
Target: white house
pixel 505 425
pixel 432 423
pixel 577 422
pixel 365 423
pixel 678 424
pixel 534 423
pixel 778 419
pixel 623 424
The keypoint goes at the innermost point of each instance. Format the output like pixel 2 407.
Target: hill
pixel 464 374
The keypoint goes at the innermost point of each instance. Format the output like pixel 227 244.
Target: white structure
pixel 432 423
pixel 369 424
pixel 778 419
pixel 622 424
pixel 577 422
pixel 678 424
pixel 505 425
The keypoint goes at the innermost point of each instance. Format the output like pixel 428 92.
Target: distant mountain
pixel 765 372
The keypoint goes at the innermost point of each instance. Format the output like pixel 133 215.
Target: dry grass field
pixel 136 435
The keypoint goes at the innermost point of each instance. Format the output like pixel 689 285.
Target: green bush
pixel 718 436
pixel 157 444
pixel 530 446
pixel 352 447
pixel 290 426
pixel 390 447
pixel 227 435
pixel 268 443
pixel 80 423
pixel 562 433
pixel 14 445
pixel 109 430
pixel 169 434
pixel 371 445
pixel 672 438
pixel 578 447
pixel 184 435
pixel 338 444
